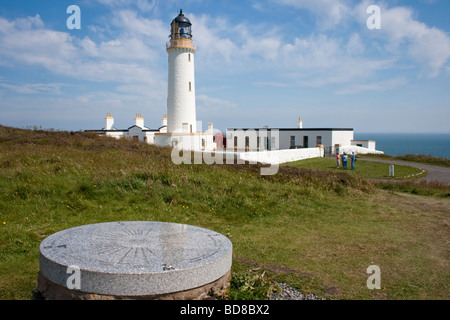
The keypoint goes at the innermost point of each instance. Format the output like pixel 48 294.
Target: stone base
pixel 47 290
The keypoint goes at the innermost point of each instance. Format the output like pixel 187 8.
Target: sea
pixel 395 144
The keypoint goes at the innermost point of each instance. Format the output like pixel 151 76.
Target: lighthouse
pixel 179 127
pixel 181 109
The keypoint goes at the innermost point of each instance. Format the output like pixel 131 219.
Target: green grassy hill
pixel 316 230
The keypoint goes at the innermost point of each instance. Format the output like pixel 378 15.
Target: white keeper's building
pixel 332 140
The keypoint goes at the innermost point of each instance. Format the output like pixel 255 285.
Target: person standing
pixel 338 160
pixel 344 161
pixel 353 160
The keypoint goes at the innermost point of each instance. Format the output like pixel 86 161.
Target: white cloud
pixel 271 84
pixel 142 5
pixel 130 71
pixel 25 40
pixel 355 45
pixel 117 49
pixel 208 33
pixel 428 46
pixel 315 60
pixel 123 59
pixel 386 85
pixel 330 13
pixel 130 22
pixel 403 35
pixel 213 106
pixel 29 22
pixel 53 88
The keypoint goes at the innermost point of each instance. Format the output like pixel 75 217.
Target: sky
pixel 258 62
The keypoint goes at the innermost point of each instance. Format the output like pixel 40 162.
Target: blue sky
pixel 258 63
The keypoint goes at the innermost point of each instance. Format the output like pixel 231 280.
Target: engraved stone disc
pixel 135 258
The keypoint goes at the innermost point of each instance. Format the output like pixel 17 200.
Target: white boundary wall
pixel 281 156
pixel 358 150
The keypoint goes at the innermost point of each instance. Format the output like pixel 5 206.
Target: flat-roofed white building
pixel 287 138
pixel 369 144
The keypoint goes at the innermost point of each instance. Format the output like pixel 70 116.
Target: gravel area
pixel 289 293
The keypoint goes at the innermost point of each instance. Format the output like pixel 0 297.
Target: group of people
pixel 345 160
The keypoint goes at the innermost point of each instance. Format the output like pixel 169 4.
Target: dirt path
pixel 435 173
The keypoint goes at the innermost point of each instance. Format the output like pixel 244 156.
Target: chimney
pixel 139 121
pixel 300 123
pixel 109 122
pixel 164 121
pixel 210 127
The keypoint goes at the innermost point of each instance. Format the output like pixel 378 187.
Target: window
pixel 235 142
pixel 203 143
pixel 136 138
pixel 184 30
pixel 189 57
pixel 190 86
pixel 247 143
pixel 292 142
pixel 319 140
pixel 305 142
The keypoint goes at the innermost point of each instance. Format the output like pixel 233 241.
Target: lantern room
pixel 181 33
pixel 181 27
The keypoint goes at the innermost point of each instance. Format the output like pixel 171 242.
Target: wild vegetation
pixel 316 230
pixel 363 169
pixel 405 179
pixel 427 159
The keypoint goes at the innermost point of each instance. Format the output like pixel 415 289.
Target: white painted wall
pixel 197 141
pixel 139 122
pixel 181 98
pixel 136 132
pixel 115 134
pixel 281 156
pixel 369 144
pixel 285 138
pixel 328 138
pixel 342 137
pixel 163 140
pixel 358 150
pixel 109 122
pixel 143 136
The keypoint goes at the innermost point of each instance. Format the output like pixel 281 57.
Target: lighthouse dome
pixel 181 19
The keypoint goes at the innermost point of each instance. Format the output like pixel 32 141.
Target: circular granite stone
pixel 135 258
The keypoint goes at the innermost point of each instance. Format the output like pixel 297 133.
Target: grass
pixel 316 230
pixel 423 188
pixel 363 169
pixel 405 179
pixel 426 159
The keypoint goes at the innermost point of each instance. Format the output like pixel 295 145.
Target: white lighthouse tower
pixel 181 112
pixel 181 131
